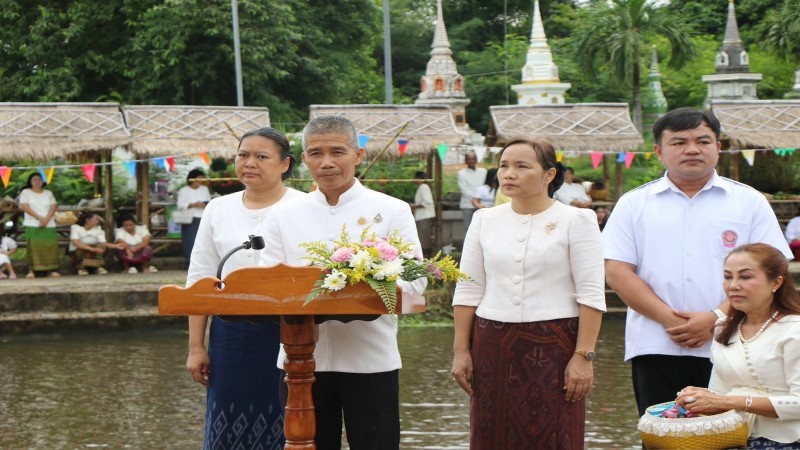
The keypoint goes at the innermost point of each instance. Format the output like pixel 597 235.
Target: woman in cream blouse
pixel 526 328
pixel 756 351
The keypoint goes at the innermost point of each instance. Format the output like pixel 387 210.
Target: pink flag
pixel 596 158
pixel 629 159
pixel 401 146
pixel 88 172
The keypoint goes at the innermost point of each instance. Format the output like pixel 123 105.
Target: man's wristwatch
pixel 590 355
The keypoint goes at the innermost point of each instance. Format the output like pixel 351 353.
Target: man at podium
pixel 357 363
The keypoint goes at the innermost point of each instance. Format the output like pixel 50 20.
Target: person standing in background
pixel 664 246
pixel 424 213
pixel 194 197
pixel 39 205
pixel 792 234
pixel 469 178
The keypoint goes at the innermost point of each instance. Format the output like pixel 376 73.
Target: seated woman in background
pixel 87 245
pixel 134 252
pixel 602 216
pixel 792 234
pixel 756 350
pixel 485 193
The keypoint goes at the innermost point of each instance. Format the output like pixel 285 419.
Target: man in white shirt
pixel 424 213
pixel 357 363
pixel 469 178
pixel 573 194
pixel 664 246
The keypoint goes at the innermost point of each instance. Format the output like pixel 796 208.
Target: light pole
pixel 387 53
pixel 237 53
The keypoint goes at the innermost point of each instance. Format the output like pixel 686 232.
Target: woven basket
pixel 719 431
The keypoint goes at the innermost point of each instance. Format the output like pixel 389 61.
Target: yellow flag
pixel 49 173
pixel 559 156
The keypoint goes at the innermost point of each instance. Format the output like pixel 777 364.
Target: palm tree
pixel 615 35
pixel 781 30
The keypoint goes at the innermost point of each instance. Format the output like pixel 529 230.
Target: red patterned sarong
pixel 518 381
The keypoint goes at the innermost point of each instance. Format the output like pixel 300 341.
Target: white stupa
pixel 540 83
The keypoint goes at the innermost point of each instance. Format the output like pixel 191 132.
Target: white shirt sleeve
pixel 205 258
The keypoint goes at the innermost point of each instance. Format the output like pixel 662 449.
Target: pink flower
pixel 342 254
pixel 368 243
pixel 387 252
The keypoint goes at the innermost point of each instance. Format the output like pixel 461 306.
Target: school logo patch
pixel 729 238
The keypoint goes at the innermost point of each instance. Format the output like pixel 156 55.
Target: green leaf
pixel 316 290
pixel 387 290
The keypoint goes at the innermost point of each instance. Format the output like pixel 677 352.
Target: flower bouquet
pixel 377 261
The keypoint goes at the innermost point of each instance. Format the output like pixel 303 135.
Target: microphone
pixel 254 242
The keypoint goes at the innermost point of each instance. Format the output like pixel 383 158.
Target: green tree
pixel 780 30
pixel 613 36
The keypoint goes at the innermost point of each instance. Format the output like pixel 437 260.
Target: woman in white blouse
pixel 756 351
pixel 134 241
pixel 526 327
pixel 194 197
pixel 87 245
pixel 239 366
pixel 39 205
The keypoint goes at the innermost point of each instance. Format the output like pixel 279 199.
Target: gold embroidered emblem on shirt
pixel 362 220
pixel 550 226
pixel 377 218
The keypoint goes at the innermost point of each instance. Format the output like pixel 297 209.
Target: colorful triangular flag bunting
pixel 88 172
pixel 629 159
pixel 362 140
pixel 401 146
pixel 597 157
pixel 559 156
pixel 205 158
pixel 5 174
pixel 442 150
pixel 170 164
pixel 48 174
pixel 130 166
pixel 480 152
pixel 749 156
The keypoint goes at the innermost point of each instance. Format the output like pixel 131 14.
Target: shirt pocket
pixel 727 235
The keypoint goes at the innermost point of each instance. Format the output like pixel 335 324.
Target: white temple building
pixel 442 84
pixel 733 80
pixel 540 82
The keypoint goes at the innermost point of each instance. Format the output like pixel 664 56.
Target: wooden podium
pixel 281 291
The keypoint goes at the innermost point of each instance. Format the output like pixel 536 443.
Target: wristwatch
pixel 590 355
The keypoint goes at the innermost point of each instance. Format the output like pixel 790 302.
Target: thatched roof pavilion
pixel 177 130
pixel 759 124
pixel 426 126
pixel 576 127
pixel 41 131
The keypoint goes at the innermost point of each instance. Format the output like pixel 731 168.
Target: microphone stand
pixel 254 242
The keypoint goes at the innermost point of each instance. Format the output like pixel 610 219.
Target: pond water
pixel 130 390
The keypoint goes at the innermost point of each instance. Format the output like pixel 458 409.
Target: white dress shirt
pixel 793 229
pixel 571 191
pixel 357 346
pixel 678 246
pixel 774 358
pixel 468 180
pixel 187 196
pixel 93 236
pixel 139 233
pixel 226 224
pixel 6 245
pixel 424 197
pixel 530 268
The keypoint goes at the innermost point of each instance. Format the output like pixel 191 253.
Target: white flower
pixel 388 269
pixel 361 257
pixel 335 281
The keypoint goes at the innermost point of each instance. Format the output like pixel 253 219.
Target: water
pixel 130 390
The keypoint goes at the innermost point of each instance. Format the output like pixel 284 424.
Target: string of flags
pixel 168 162
pixel 165 162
